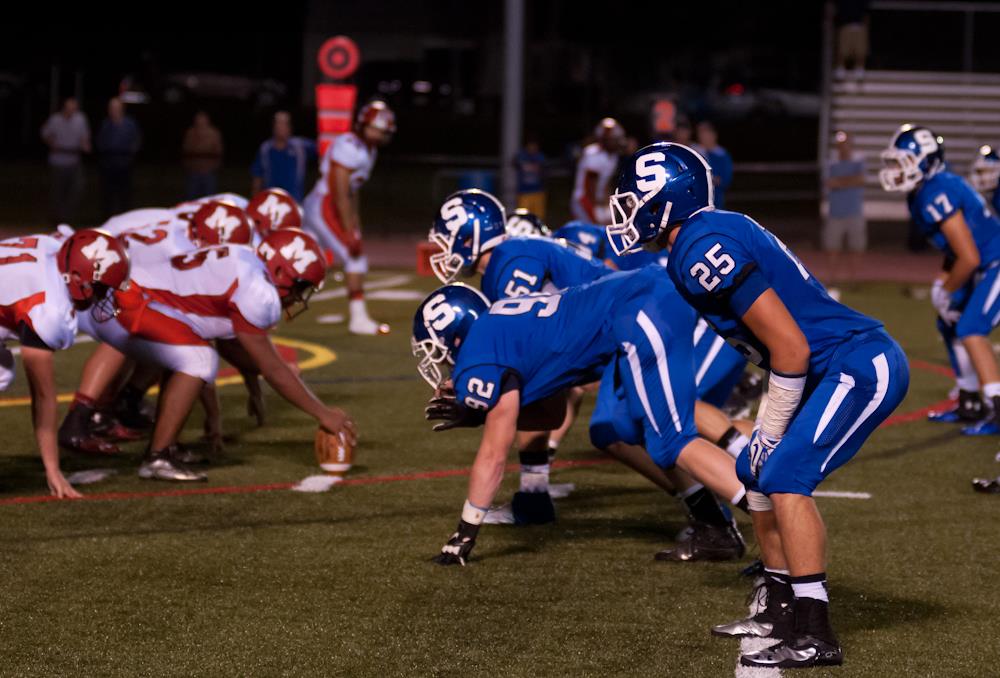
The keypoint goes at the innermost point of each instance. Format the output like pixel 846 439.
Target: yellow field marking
pixel 318 357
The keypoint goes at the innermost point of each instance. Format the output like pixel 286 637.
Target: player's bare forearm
pixel 277 373
pixel 967 260
pixel 39 368
pixel 498 436
pixel 768 318
pixel 233 352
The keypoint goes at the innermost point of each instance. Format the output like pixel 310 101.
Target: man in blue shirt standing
pixel 718 159
pixel 283 159
pixel 846 219
pixel 118 141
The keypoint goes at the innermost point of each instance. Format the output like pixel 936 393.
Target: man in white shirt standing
pixel 67 134
pixel 332 207
pixel 594 172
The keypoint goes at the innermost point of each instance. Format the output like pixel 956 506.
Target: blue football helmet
pixel 469 224
pixel 985 172
pixel 662 184
pixel 524 223
pixel 584 238
pixel 441 323
pixel 914 154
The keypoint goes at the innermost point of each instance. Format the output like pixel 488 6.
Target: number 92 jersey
pixel 550 341
pixel 723 261
pixel 521 266
pixel 943 195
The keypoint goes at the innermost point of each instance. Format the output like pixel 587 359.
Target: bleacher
pixel 964 108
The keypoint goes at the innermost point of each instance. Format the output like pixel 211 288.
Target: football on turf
pixel 333 453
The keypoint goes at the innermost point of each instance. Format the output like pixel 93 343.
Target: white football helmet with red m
pixel 296 265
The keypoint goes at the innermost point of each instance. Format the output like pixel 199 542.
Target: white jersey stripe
pixel 661 364
pixel 881 386
pixel 709 359
pixel 640 387
pixel 839 393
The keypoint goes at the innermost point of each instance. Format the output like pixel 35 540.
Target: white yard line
pixel 384 283
pixel 842 495
pixel 751 644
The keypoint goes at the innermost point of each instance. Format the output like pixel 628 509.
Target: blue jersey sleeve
pixel 936 202
pixel 718 271
pixel 480 386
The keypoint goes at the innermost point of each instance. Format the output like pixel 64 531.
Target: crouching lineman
pixel 45 285
pixel 332 213
pixel 230 293
pixel 470 230
pixel 512 364
pixel 835 375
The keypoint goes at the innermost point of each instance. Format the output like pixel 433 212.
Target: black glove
pixel 457 549
pixel 445 408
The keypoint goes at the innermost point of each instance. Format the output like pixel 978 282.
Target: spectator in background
pixel 530 167
pixel 718 158
pixel 282 160
pixel 682 132
pixel 852 38
pixel 846 218
pixel 67 134
pixel 202 150
pixel 118 141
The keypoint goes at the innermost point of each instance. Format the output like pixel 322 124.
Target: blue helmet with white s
pixel 468 224
pixel 583 237
pixel 524 223
pixel 914 154
pixel 662 184
pixel 985 172
pixel 441 324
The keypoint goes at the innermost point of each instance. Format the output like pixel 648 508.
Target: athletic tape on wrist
pixel 472 514
pixel 784 393
pixel 758 501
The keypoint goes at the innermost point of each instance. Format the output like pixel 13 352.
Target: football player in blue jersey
pixel 515 266
pixel 956 220
pixel 510 362
pixel 835 375
pixel 523 223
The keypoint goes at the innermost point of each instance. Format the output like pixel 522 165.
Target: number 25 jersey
pixel 723 261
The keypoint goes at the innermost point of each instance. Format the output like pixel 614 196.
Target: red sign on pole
pixel 338 57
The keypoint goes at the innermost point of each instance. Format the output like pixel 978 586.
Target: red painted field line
pixel 421 475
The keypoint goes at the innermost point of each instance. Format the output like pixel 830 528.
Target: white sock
pixel 967 383
pixel 813 589
pixel 736 445
pixel 535 478
pixel 357 308
pixel 991 390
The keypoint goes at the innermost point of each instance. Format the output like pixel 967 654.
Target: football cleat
pixel 969 408
pixel 707 543
pixel 775 620
pixel 533 508
pixel 802 652
pixel 986 485
pixel 365 326
pixel 182 454
pixel 987 427
pixel 161 466
pixel 501 515
pixel 561 490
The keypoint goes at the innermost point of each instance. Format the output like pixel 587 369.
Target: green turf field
pixel 276 582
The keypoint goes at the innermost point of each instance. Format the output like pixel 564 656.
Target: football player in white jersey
pixel 595 171
pixel 331 208
pixel 174 310
pixel 46 284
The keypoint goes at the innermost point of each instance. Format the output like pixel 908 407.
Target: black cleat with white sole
pixel 800 653
pixel 774 621
pixel 707 543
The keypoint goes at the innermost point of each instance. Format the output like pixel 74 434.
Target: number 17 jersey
pixel 723 261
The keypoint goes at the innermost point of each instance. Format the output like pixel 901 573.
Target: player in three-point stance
pixel 835 375
pixel 513 360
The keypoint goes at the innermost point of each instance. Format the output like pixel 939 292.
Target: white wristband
pixel 783 397
pixel 473 514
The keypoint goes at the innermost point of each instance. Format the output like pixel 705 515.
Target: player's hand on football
pixel 761 446
pixel 60 487
pixel 335 421
pixel 456 550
